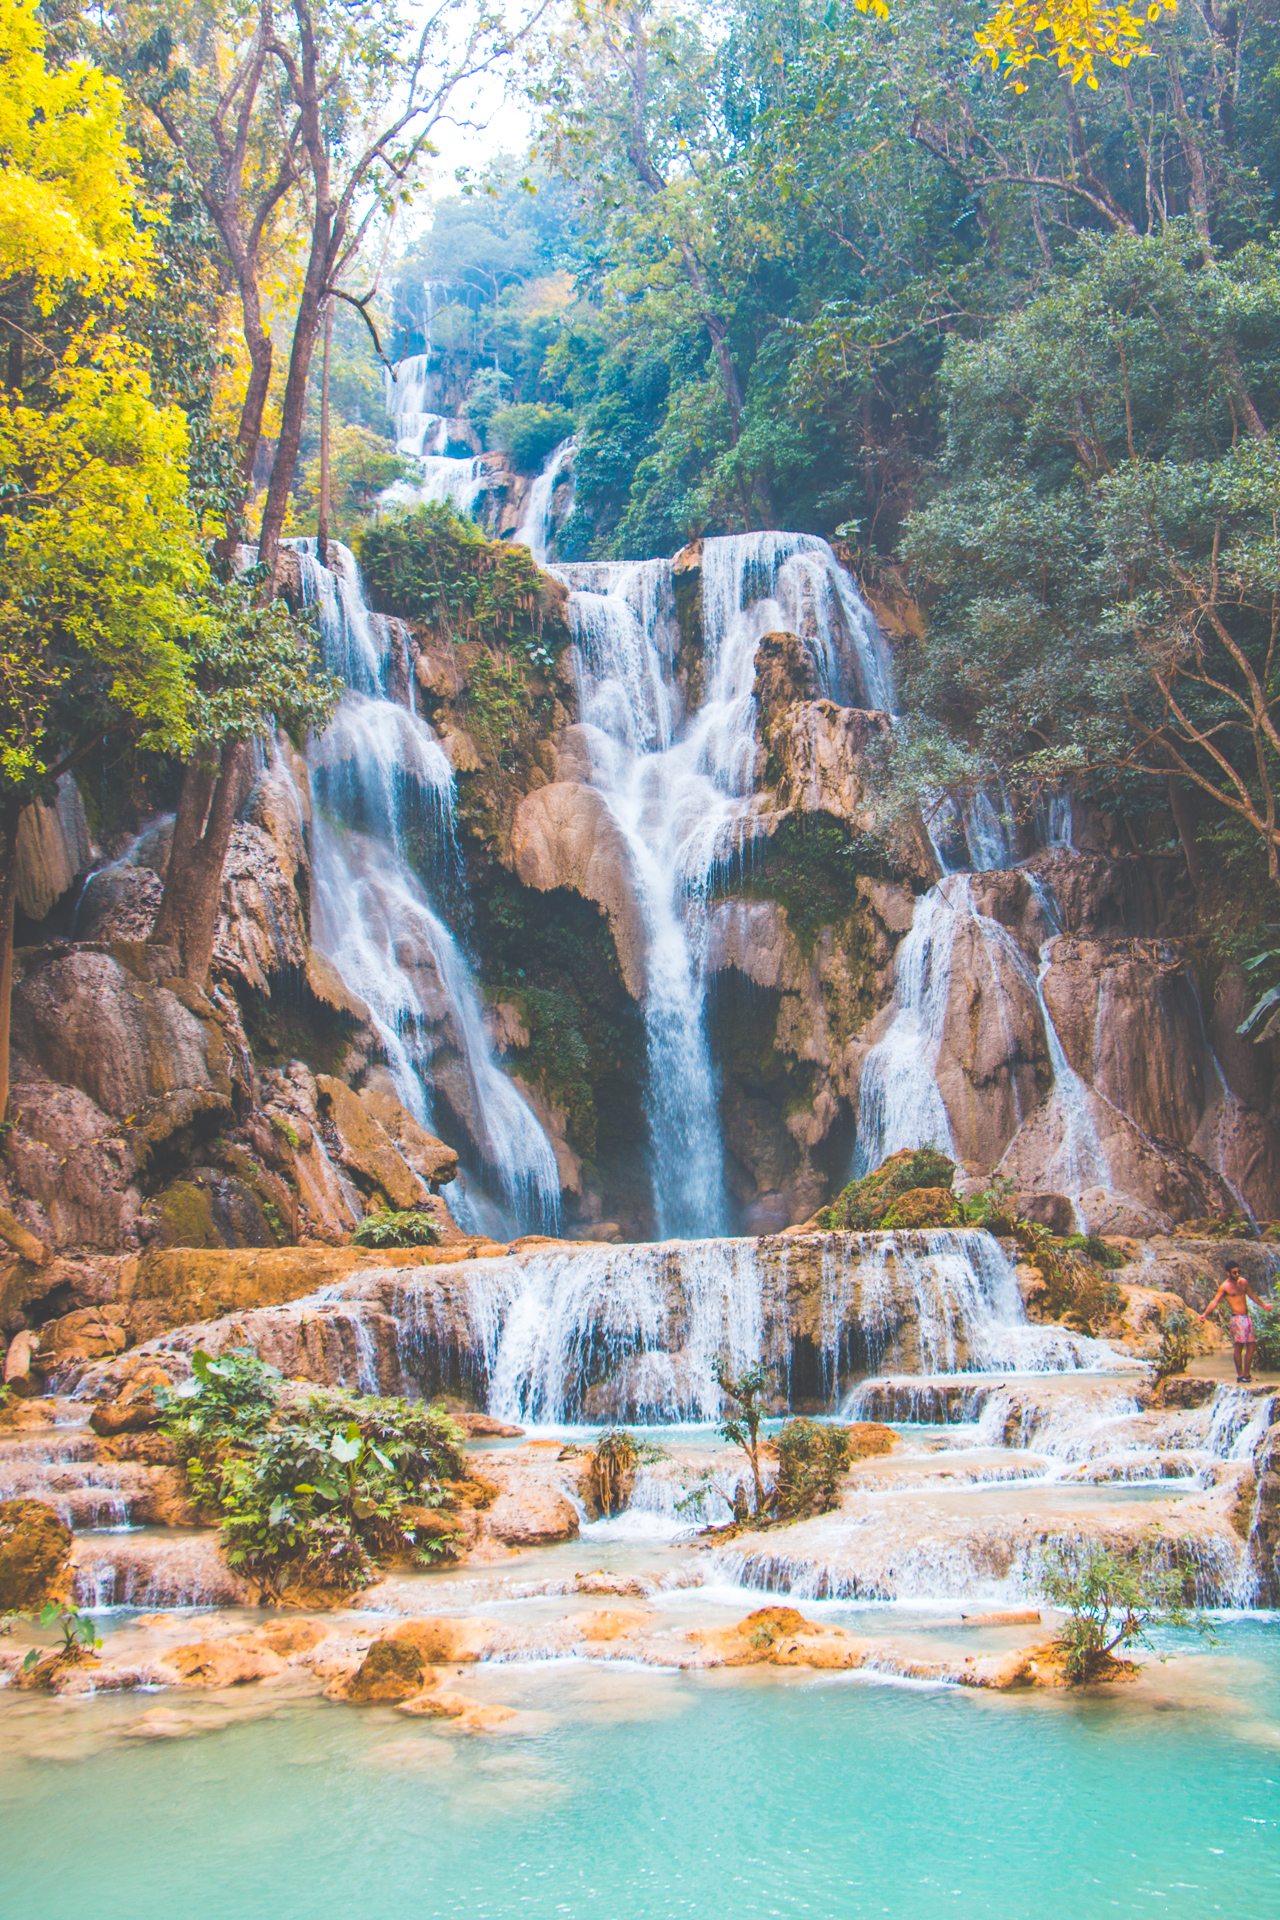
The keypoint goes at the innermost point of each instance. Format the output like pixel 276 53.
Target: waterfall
pixel 535 525
pixel 899 1104
pixel 633 1333
pixel 384 791
pixel 681 787
pixel 423 435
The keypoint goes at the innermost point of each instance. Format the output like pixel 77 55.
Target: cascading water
pixel 423 435
pixel 385 789
pixel 534 531
pixel 681 786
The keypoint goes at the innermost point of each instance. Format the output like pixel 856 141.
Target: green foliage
pixel 361 463
pixel 436 567
pixel 310 1496
pixel 1112 1599
pixel 742 1429
pixel 1175 1346
pixel 863 1204
pixel 1100 552
pixel 256 663
pixel 412 1229
pixel 811 1458
pixel 1266 1322
pixel 528 433
pixel 79 1634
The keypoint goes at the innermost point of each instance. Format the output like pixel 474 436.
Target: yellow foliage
pixel 99 558
pixel 67 201
pixel 1072 32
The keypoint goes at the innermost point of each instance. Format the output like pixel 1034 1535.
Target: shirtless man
pixel 1237 1295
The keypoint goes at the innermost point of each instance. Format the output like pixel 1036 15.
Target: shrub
pixel 1175 1346
pixel 1267 1327
pixel 412 1229
pixel 528 433
pixel 864 1203
pixel 310 1495
pixel 811 1458
pixel 1111 1599
pixel 613 1466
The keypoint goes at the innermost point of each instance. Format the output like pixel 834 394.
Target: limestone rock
pixel 816 747
pixel 78 1164
pixel 78 1337
pixel 222 1663
pixel 564 835
pixel 54 848
pixel 152 1052
pixel 35 1556
pixel 366 1148
pixel 429 1158
pixel 396 1666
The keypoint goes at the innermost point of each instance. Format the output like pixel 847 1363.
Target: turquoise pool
pixel 641 1796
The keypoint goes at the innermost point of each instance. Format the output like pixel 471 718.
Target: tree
pixel 742 1429
pixel 1102 551
pixel 310 126
pixel 253 666
pixel 99 557
pixel 1112 1599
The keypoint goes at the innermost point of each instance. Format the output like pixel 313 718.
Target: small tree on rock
pixel 1112 1598
pixel 748 1388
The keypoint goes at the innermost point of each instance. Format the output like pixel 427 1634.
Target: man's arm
pixel 1213 1303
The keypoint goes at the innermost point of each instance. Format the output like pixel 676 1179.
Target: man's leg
pixel 1237 1354
pixel 1248 1361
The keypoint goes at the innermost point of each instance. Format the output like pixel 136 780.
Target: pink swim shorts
pixel 1241 1330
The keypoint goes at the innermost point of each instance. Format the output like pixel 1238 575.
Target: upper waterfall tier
pixel 680 780
pixel 387 798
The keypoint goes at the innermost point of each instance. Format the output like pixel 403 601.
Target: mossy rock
pixel 864 1204
pixel 186 1217
pixel 392 1670
pixel 35 1556
pixel 923 1207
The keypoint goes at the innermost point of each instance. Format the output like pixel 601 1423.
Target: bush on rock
pixel 863 1204
pixel 310 1495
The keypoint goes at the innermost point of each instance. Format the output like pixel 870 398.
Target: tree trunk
pixel 322 519
pixel 1183 807
pixel 211 797
pixel 10 814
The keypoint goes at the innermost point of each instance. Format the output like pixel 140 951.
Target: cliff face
pixel 147 1115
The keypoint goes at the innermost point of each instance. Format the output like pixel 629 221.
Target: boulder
pixel 146 1047
pixel 564 835
pixel 79 1337
pixel 365 1147
pixel 396 1667
pixel 22 1372
pixel 234 1662
pixel 816 747
pixel 35 1556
